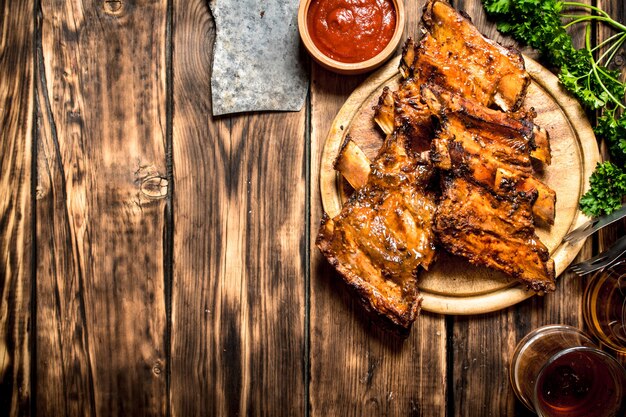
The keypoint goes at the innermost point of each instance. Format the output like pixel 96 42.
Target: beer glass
pixel 604 308
pixel 558 371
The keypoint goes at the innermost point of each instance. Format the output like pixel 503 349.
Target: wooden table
pixel 156 260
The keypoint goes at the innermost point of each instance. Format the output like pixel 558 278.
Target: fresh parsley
pixel 542 24
pixel 608 185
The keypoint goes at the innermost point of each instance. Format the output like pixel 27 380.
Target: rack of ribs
pixel 384 232
pixel 492 231
pixel 491 147
pixel 440 124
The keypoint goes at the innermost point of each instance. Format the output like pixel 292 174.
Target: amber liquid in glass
pixel 604 307
pixel 580 384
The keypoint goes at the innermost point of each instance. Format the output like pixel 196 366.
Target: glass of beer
pixel 604 308
pixel 558 371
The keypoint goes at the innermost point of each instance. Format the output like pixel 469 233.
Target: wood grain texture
pixel 16 245
pixel 101 318
pixel 358 369
pixel 239 245
pixel 483 345
pixel 260 325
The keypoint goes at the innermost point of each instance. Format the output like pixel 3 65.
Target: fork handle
pixel 602 260
pixel 613 253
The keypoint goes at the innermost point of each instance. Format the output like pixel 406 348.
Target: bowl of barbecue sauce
pixel 351 36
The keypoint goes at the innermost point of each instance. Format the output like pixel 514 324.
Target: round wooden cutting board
pixel 452 285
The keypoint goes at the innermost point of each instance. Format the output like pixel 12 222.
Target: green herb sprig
pixel 542 24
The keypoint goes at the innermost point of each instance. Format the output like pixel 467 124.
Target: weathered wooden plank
pixel 356 368
pixel 101 318
pixel 238 301
pixel 482 346
pixel 16 244
pixel 413 10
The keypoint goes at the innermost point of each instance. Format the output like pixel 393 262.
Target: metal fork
pixel 603 260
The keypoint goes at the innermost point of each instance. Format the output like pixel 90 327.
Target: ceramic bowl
pixel 357 67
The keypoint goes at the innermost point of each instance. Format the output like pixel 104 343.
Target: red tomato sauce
pixel 351 30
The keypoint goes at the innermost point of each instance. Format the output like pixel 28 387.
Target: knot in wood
pixel 154 187
pixel 374 404
pixel 156 369
pixel 40 192
pixel 113 7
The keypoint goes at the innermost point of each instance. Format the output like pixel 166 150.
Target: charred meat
pixel 492 231
pixel 384 233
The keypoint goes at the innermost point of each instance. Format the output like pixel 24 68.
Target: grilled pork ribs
pixel 454 172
